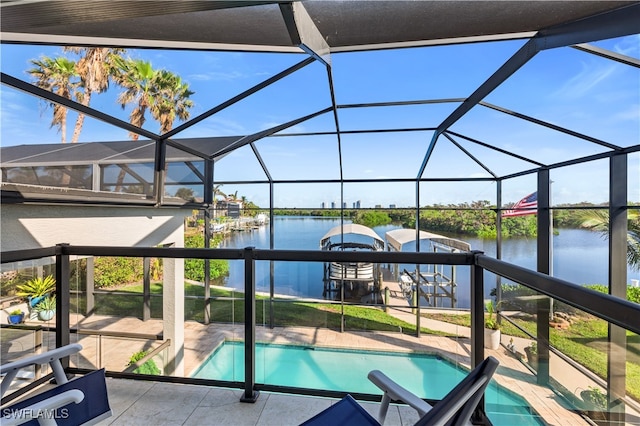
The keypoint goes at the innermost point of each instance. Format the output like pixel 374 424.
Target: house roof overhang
pixel 267 25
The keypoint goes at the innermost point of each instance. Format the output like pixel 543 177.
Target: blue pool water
pixel 427 375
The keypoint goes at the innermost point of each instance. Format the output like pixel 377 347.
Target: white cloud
pixel 217 76
pixel 629 46
pixel 631 113
pixel 590 76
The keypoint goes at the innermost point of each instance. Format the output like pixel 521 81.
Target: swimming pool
pixel 427 375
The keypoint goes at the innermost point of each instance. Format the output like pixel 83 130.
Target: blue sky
pixel 567 87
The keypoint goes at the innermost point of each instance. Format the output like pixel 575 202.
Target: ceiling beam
pixel 614 56
pixel 304 33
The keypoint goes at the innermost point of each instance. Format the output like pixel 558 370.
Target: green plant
pixel 533 348
pixel 491 320
pixel 148 367
pixel 37 287
pixel 16 312
pixel 47 304
pixel 116 271
pixel 594 398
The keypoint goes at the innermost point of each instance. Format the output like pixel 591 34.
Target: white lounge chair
pixel 81 401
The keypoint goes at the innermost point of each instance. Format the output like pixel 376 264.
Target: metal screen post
pixel 618 229
pixel 63 273
pixel 207 267
pixel 545 264
pixel 477 322
pixel 250 395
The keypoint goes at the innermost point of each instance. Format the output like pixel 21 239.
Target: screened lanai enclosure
pixel 503 128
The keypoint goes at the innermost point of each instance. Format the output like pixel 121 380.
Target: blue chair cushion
pixel 344 412
pixel 93 408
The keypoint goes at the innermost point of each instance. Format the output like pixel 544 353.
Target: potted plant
pixel 36 289
pixel 46 309
pixel 532 355
pixel 595 403
pixel 16 316
pixel 491 328
pixel 149 367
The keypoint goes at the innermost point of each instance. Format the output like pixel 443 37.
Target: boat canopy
pixel 398 237
pixel 352 228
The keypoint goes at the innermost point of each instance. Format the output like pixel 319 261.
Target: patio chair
pixel 455 408
pixel 80 401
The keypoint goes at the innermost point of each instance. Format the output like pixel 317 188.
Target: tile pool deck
pixel 133 400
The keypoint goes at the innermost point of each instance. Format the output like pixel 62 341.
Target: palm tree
pixel 598 221
pixel 218 191
pixel 160 92
pixel 138 78
pixel 95 69
pixel 56 75
pixel 171 99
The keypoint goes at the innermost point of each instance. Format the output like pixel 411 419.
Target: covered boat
pixel 360 280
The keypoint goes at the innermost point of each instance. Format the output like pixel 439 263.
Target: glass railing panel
pixel 592 364
pixel 23 287
pixel 336 330
pixel 214 344
pixel 585 362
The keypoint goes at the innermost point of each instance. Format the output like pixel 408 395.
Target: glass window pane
pixel 383 155
pixel 585 182
pixel 306 195
pixel 301 157
pixel 239 165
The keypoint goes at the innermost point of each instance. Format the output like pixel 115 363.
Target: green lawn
pixel 228 307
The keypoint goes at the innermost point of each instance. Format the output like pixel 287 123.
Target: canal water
pixel 579 256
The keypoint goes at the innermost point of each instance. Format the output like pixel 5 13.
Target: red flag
pixel 528 205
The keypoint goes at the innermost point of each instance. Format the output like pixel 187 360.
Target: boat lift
pixel 434 286
pixel 359 280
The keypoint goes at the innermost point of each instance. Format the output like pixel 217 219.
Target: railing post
pixel 543 308
pixel 477 312
pixel 99 354
pixel 37 349
pixel 250 395
pixel 63 270
pixel 477 321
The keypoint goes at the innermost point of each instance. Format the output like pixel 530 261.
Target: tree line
pixel 476 219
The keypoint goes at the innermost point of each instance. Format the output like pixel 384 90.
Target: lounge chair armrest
pixel 52 357
pixel 397 392
pixel 43 411
pixel 42 358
